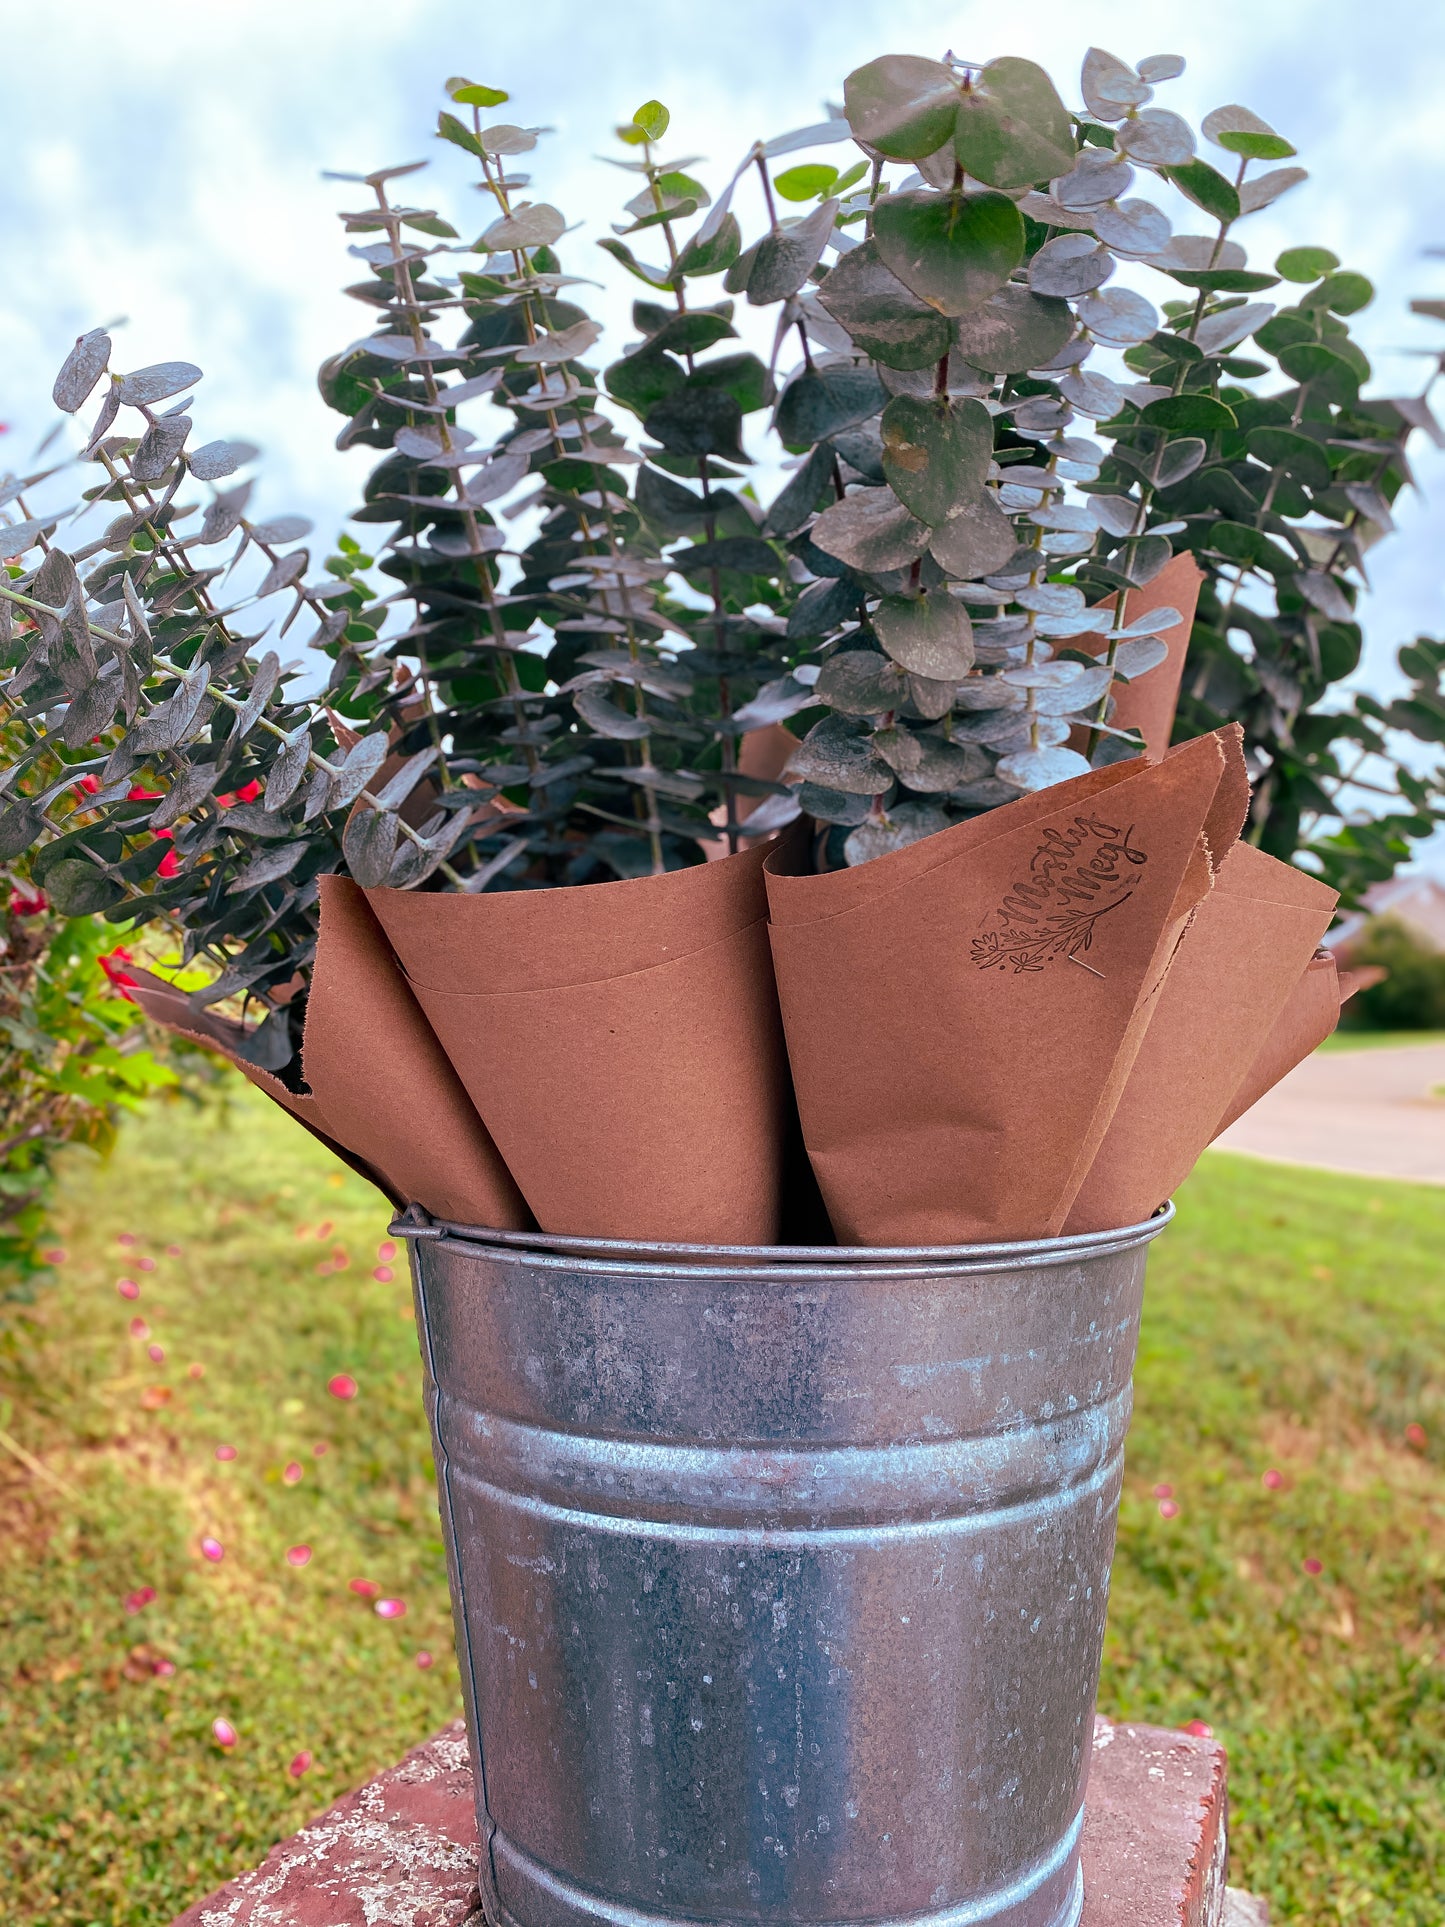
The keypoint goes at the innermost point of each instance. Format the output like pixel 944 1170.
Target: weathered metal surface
pixel 780 1587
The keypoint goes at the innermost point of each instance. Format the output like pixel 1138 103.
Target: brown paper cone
pixel 383 1081
pixel 1148 705
pixel 1241 956
pixel 167 1006
pixel 962 1014
pixel 1306 1021
pixel 621 1042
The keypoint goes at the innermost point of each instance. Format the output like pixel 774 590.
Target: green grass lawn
pixel 1380 1039
pixel 1295 1327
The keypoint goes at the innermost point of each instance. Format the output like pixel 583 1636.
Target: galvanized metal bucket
pixel 779 1577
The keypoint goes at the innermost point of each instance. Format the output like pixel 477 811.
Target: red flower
pixel 247 793
pixel 138 793
pixel 170 863
pixel 111 963
pixel 23 906
pixel 85 786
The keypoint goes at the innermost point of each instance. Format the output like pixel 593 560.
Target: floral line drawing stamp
pixel 1081 870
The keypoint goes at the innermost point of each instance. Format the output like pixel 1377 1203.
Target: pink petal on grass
pixel 385 1252
pixel 173 1251
pixel 156 1354
pixel 56 1255
pixel 163 1668
pixel 301 1764
pixel 212 1549
pixel 139 1328
pixel 292 1474
pixel 223 1733
pixel 365 1588
pixel 127 1287
pixel 195 1371
pixel 298 1555
pixel 1415 1435
pixel 390 1609
pixel 1201 1729
pixel 145 1264
pixel 320 1449
pixel 225 1453
pixel 383 1274
pixel 139 1599
pixel 1272 1480
pixel 1313 1567
pixel 324 1230
pixel 1163 1492
pixel 343 1385
pixel 1168 1509
pixel 424 1660
pixel 126 1238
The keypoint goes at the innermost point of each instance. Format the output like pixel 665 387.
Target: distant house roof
pixel 1416 901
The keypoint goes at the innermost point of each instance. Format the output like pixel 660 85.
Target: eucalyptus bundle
pixel 581 647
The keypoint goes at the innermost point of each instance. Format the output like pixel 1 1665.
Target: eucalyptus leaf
pixel 532 225
pixel 1132 659
pixel 1110 86
pixel 289 768
pixel 369 845
pixel 78 889
pixel 903 824
pixel 1156 137
pixel 786 257
pixel 81 370
pixel 928 635
pixel 838 754
pixel 172 721
pixel 1012 129
pixel 158 448
pixel 902 106
pixel 266 868
pixel 871 530
pixel 698 421
pixel 1015 329
pixel 884 318
pixel 157 383
pixel 936 454
pixel 1040 769
pixel 1070 265
pixel 945 765
pixel 952 250
pixel 859 682
pixel 976 539
pixel 819 402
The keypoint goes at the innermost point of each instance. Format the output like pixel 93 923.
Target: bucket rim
pixel 776 1262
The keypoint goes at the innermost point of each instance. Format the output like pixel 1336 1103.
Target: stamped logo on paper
pixel 1083 870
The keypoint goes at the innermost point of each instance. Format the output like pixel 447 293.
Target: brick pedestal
pixel 402 1852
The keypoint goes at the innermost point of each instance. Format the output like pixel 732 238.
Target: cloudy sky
pixel 163 162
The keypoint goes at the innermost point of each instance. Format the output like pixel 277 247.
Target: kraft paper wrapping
pixel 621 1042
pixel 962 1015
pixel 383 1081
pixel 1148 704
pixel 1306 1021
pixel 169 1007
pixel 1239 961
pixel 382 1094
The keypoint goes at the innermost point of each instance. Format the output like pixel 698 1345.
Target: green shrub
pixel 1412 994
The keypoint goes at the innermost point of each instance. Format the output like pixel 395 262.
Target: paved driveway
pixel 1367 1111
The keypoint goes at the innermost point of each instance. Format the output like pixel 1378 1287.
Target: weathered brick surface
pixel 1154 1829
pixel 401 1852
